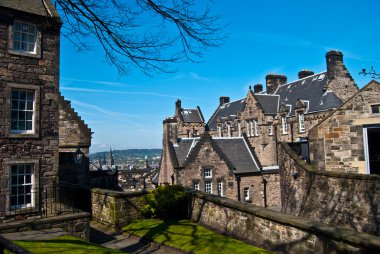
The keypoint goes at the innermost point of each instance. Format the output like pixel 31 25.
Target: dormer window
pixel 301 122
pixel 208 173
pixel 375 109
pixel 284 125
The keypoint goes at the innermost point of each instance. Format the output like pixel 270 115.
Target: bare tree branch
pixel 371 72
pixel 147 34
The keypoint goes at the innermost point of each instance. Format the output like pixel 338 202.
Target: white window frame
pixel 220 131
pixel 246 191
pixel 228 130
pixel 196 186
pixel 220 188
pixel 256 128
pixel 208 173
pixel 284 125
pixel 16 186
pixel 16 109
pixel 239 129
pixel 301 122
pixel 208 187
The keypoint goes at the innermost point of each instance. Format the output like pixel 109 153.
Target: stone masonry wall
pixel 73 132
pixel 336 144
pixel 115 208
pixel 77 224
pixel 276 231
pixel 342 199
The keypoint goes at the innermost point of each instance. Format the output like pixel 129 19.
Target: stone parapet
pixel 77 224
pixel 276 231
pixel 116 208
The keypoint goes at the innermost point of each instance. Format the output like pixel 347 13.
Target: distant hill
pixel 128 154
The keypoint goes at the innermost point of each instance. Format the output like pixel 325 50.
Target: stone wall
pixel 276 231
pixel 336 144
pixel 342 199
pixel 77 224
pixel 115 208
pixel 37 73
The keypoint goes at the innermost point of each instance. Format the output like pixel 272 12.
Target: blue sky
pixel 263 36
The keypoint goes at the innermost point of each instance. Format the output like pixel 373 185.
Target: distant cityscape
pixel 130 159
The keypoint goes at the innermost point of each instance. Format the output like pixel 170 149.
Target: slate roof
pixel 192 115
pixel 238 153
pixel 182 149
pixel 227 109
pixel 38 7
pixel 236 150
pixel 309 89
pixel 269 103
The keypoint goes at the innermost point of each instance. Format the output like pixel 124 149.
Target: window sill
pixel 21 211
pixel 22 53
pixel 23 135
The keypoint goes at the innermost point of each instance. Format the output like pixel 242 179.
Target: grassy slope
pixel 64 244
pixel 190 237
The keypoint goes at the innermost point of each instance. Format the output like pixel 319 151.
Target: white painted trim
pixel 366 152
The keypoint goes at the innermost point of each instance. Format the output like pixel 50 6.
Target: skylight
pixel 321 77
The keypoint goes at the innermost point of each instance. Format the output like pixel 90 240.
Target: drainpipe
pixel 238 187
pixel 265 192
pixel 275 137
pixel 291 132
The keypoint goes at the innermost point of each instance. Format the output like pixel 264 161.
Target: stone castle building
pixel 286 111
pixel 39 131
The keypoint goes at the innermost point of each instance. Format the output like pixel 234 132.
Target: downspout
pixel 265 192
pixel 275 137
pixel 291 132
pixel 238 187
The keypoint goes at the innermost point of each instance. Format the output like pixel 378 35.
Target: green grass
pixel 190 237
pixel 64 244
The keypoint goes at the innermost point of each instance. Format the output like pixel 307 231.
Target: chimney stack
pixel 258 88
pixel 178 107
pixel 305 73
pixel 334 62
pixel 223 100
pixel 273 81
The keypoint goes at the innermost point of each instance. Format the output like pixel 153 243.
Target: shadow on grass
pixel 189 237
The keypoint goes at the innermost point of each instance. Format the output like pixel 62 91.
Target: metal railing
pixel 37 203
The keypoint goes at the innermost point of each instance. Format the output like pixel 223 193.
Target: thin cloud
pixel 100 82
pixel 198 77
pixel 79 89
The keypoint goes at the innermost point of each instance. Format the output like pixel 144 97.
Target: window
pixel 228 130
pixel 24 37
pixel 284 125
pixel 375 109
pixel 239 130
pixel 270 129
pixel 208 173
pixel 220 131
pixel 208 187
pixel 22 111
pixel 220 189
pixel 301 122
pixel 255 128
pixel 246 194
pixel 21 183
pixel 196 186
pixel 248 129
